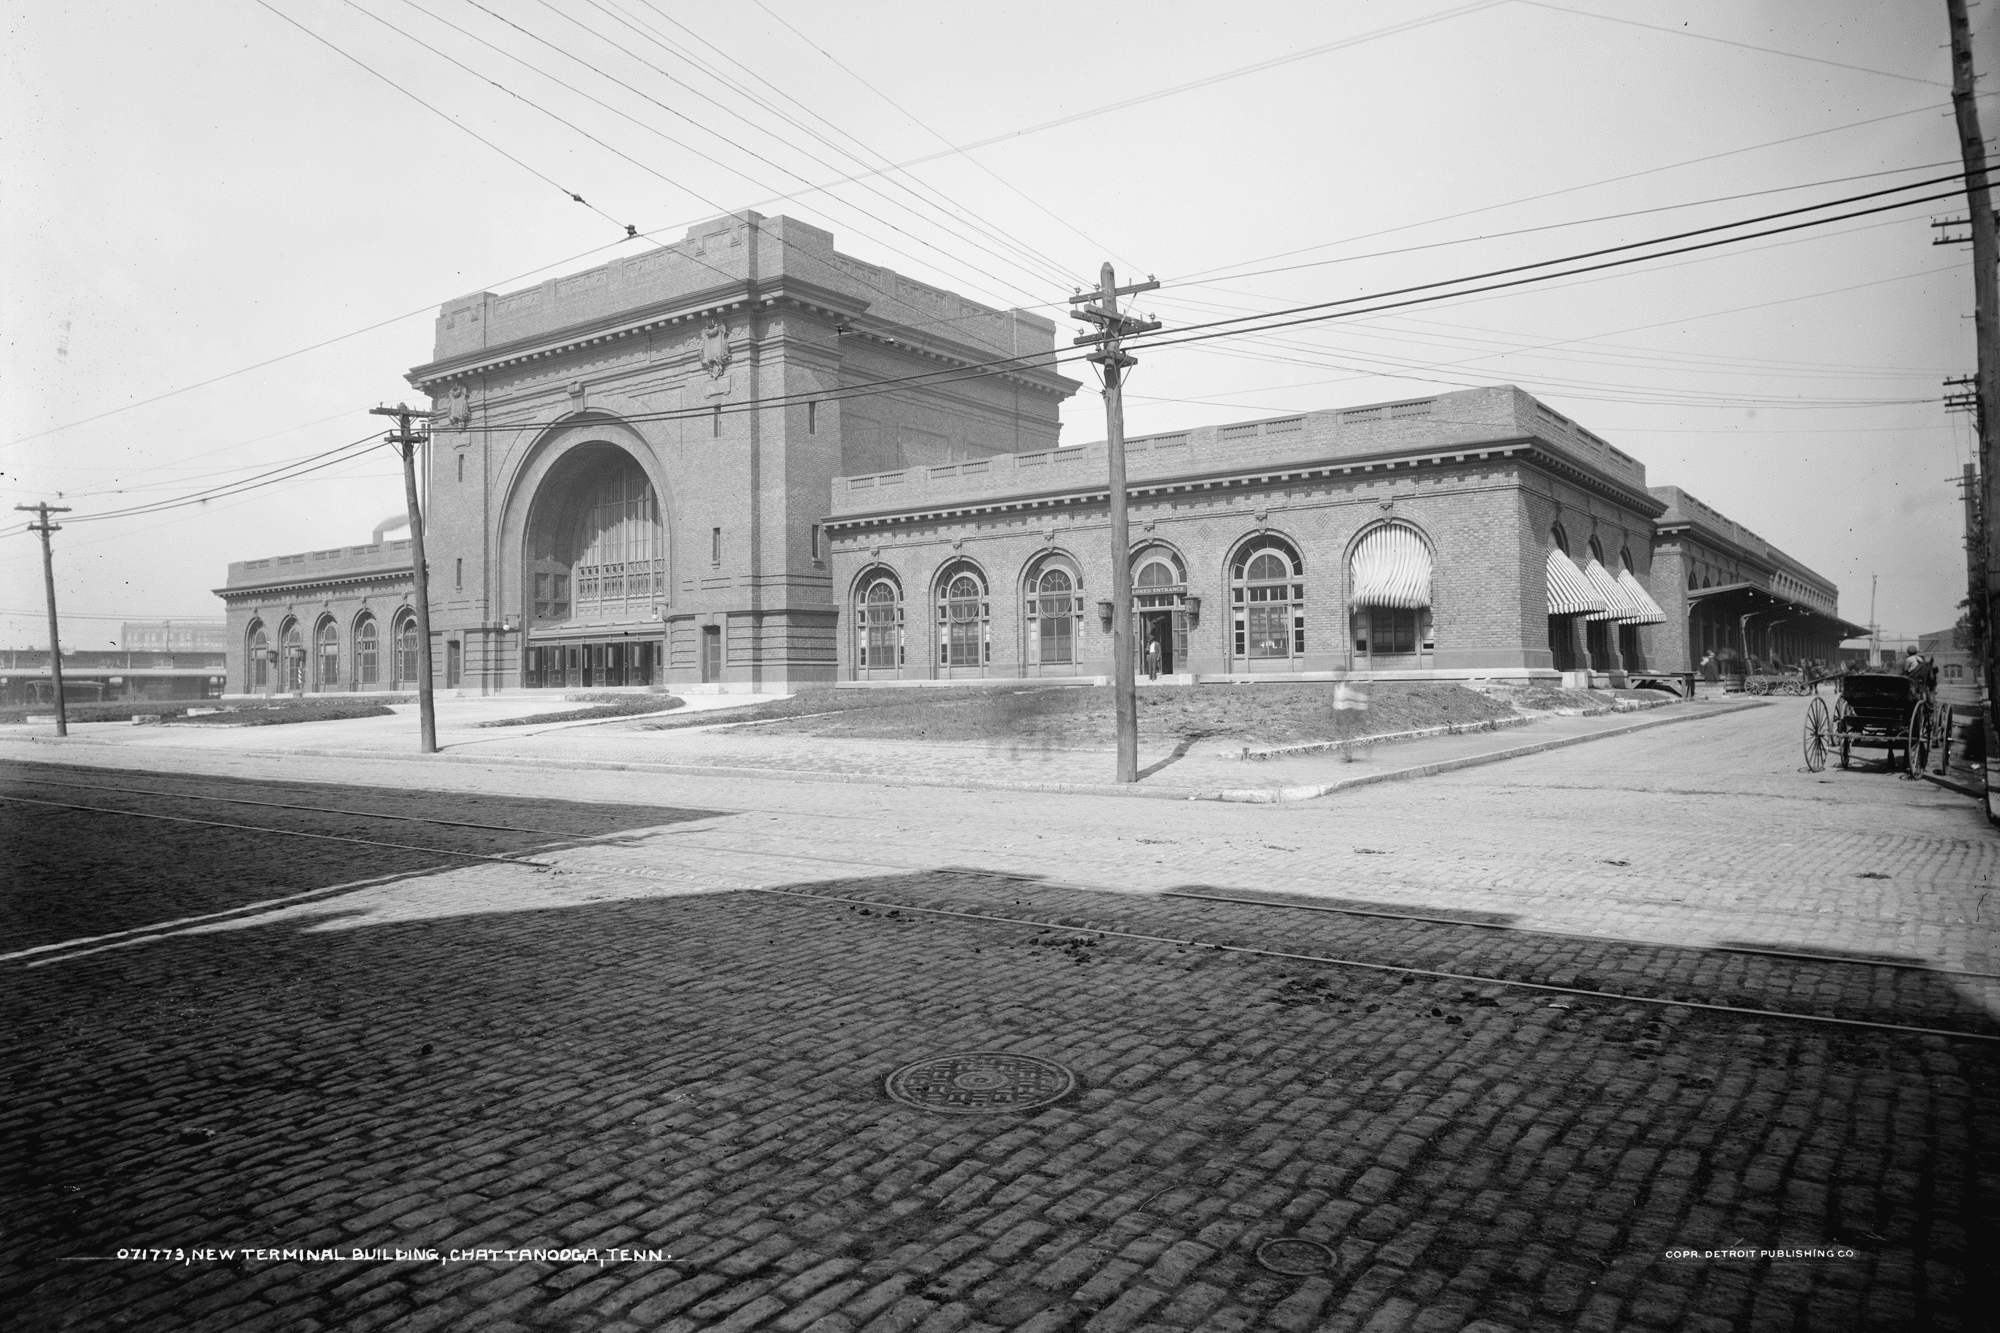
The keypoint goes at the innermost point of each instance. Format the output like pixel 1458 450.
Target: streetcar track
pixel 998 919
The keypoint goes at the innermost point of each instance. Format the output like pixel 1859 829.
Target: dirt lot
pixel 1271 714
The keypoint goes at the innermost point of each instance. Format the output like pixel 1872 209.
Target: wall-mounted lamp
pixel 1104 612
pixel 1193 609
pixel 507 625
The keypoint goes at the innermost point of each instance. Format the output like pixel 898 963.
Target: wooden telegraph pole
pixel 406 442
pixel 45 527
pixel 1112 327
pixel 1986 333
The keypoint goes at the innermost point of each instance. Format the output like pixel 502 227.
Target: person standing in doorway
pixel 1152 659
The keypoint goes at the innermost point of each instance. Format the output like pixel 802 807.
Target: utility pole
pixel 1110 354
pixel 1986 333
pixel 406 442
pixel 45 527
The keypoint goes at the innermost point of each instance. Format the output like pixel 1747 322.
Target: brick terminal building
pixel 749 461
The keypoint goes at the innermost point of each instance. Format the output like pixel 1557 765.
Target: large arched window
pixel 326 648
pixel 367 668
pixel 292 657
pixel 258 657
pixel 407 664
pixel 1055 603
pixel 963 614
pixel 597 549
pixel 1267 595
pixel 878 624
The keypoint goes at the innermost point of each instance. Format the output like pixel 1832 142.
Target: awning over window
pixel 1618 604
pixel 1570 593
pixel 1392 567
pixel 1650 612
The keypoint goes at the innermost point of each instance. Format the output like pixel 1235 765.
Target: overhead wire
pixel 1030 260
pixel 966 149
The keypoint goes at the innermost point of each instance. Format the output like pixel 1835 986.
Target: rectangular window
pixel 454 663
pixel 1269 630
pixel 715 422
pixel 458 572
pixel 812 418
pixel 815 541
pixel 1057 638
pixel 461 467
pixel 715 546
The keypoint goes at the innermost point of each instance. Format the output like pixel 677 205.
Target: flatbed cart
pixel 1872 712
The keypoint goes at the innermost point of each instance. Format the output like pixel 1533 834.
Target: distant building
pixel 1958 667
pixel 174 636
pixel 110 676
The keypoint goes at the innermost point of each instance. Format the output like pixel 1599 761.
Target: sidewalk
pixel 1202 770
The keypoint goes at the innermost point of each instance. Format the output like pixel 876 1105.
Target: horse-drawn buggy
pixel 1873 712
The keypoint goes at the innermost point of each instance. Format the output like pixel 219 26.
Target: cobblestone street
pixel 1484 1051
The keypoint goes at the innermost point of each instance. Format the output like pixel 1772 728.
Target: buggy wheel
pixel 1917 739
pixel 1944 737
pixel 1819 728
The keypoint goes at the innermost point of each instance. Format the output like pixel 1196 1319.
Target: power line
pixel 1725 41
pixel 1190 278
pixel 629 231
pixel 1041 266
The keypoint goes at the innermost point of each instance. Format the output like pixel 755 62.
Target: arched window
pixel 878 624
pixel 1560 538
pixel 962 613
pixel 406 652
pixel 326 642
pixel 259 656
pixel 1267 594
pixel 367 670
pixel 1054 605
pixel 620 562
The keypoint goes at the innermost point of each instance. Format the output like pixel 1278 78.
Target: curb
pixel 1270 796
pixel 1446 729
pixel 1252 795
pixel 1952 784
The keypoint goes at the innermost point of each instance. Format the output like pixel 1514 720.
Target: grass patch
pixel 210 713
pixel 601 706
pixel 1264 714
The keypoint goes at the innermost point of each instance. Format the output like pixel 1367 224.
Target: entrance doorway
pixel 1156 627
pixel 711 654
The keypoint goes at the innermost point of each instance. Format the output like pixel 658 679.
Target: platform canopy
pixel 1391 567
pixel 1570 592
pixel 1743 599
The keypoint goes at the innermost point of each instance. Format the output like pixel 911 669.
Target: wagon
pixel 1871 712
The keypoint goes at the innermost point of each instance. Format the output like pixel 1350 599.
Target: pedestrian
pixel 1152 659
pixel 1709 670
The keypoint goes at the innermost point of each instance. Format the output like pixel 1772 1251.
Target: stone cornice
pixel 787 293
pixel 240 591
pixel 1392 465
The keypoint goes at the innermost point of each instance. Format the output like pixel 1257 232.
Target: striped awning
pixel 1391 567
pixel 1570 593
pixel 1649 610
pixel 1618 604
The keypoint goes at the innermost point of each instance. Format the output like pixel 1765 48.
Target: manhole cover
pixel 1295 1258
pixel 980 1081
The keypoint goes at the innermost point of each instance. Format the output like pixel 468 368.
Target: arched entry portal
pixel 596 573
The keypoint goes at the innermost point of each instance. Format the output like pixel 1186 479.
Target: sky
pixel 226 229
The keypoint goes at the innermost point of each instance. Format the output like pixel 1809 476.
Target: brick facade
pixel 694 466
